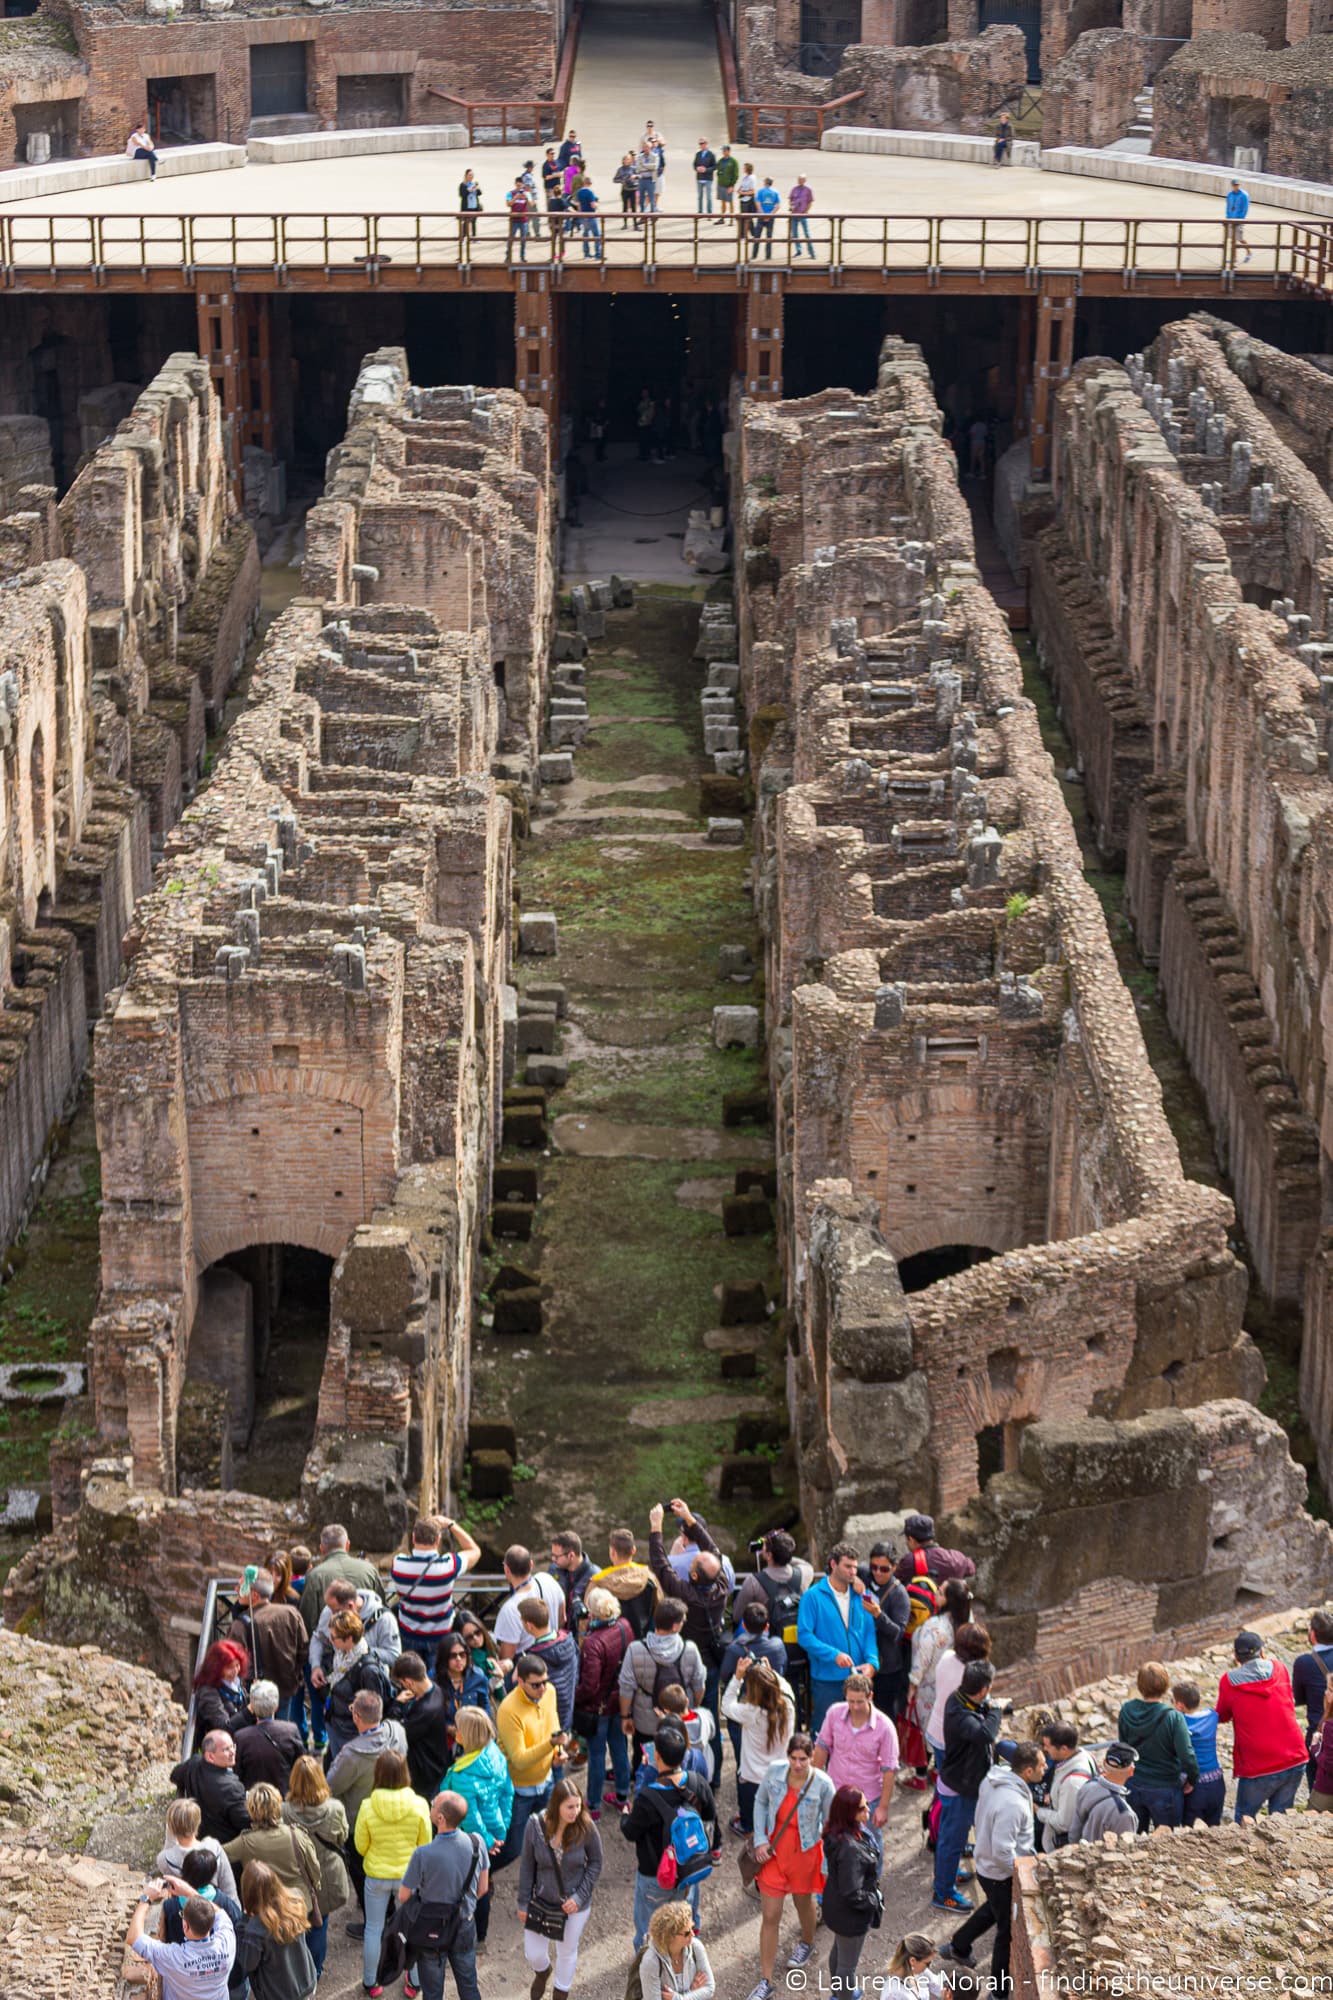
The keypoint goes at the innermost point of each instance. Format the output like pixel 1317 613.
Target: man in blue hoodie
pixel 836 1631
pixel 1238 207
pixel 1002 1830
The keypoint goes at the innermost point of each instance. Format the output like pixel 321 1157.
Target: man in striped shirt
pixel 424 1578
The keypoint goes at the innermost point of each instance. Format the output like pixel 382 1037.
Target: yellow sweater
pixel 525 1729
pixel 389 1828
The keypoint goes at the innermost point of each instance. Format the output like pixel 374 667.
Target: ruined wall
pixel 958 1070
pixel 1237 100
pixel 1183 507
pixel 1087 97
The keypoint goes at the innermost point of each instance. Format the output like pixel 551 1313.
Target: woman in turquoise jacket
pixel 480 1774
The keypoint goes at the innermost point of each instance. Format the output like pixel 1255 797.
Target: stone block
pixel 746 1107
pixel 747 1214
pixel 519 1311
pixel 529 1006
pixel 746 1476
pixel 735 1027
pixel 622 593
pixel 512 1218
pixel 717 641
pixel 538 933
pixel 514 1184
pixel 496 1434
pixel 729 763
pixel 725 674
pixel 720 736
pixel 536 1034
pixel 735 961
pixel 572 678
pixel 491 1475
pixel 569 646
pixel 556 767
pixel 592 624
pixel 564 732
pixel 553 1071
pixel 739 1365
pixel 601 596
pixel 525 1125
pixel 744 1302
pixel 721 795
pixel 525 1093
pixel 550 990
pixel 726 833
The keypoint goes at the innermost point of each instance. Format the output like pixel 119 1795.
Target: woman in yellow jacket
pixel 391 1825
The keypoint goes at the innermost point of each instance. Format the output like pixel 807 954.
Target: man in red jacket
pixel 1255 1697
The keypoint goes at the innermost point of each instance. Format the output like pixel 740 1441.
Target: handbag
pixel 747 1861
pixel 432 1928
pixel 913 1748
pixel 316 1914
pixel 545 1918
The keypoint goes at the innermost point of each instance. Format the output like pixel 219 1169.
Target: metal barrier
pixel 493 121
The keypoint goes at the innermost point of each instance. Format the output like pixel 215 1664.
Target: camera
pixel 757 1546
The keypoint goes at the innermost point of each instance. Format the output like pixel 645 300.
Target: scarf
pixel 344 1662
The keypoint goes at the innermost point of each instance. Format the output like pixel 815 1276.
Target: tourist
pixel 645 416
pixel 1004 139
pixel 281 1567
pixel 970 1642
pixel 799 203
pixel 1309 1680
pixel 523 1583
pixel 528 1728
pixel 209 1779
pixel 1102 1805
pixel 625 178
pixel 197 1968
pixel 836 1630
pixel 752 1647
pixel 426 1712
pixel 1237 208
pixel 482 1649
pixel 654 144
pixel 674 1960
pixel 649 1821
pixel 272 1945
pixel 558 1869
pixel 746 188
pixel 469 201
pixel 570 149
pixel 791 1810
pixel 480 1777
pixel 778 1583
pixel 597 1699
pixel 460 1680
pixel 728 173
pixel 543 1640
pixel 752 1640
pixel 688 1542
pixel 378 1625
pixel 529 180
pixel 553 185
pixel 352 1671
pixel 1167 1765
pixel 971 1731
pixel 1068 1769
pixel 586 198
pixel 630 1582
pixel 139 146
pixel 703 1588
pixel 705 168
pixel 910 1975
pixel 925 1557
pixel 352 1772
pixel 519 203
pixel 219 1689
pixel 335 1560
pixel 569 1566
pixel 930 1641
pixel 1004 1829
pixel 645 180
pixel 452 1873
pixel 274 1635
pixel 267 1748
pixel 1203 1805
pixel 288 1850
pixel 198 1876
pixel 183 1836
pixel 661 1660
pixel 426 1577
pixel 1321 1785
pixel 761 1705
pixel 767 201
pixel 1268 1745
pixel 310 1806
pixel 852 1901
pixel 391 1825
pixel 858 1747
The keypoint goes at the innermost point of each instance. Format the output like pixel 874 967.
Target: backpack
pixel 923 1594
pixel 784 1603
pixel 688 1854
pixel 666 1674
pixel 696 1757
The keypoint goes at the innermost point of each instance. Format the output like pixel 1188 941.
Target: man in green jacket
pixel 335 1562
pixel 728 173
pixel 1167 1766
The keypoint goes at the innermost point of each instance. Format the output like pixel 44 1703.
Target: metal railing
pixel 494 121
pixel 1023 105
pixel 279 246
pixel 789 126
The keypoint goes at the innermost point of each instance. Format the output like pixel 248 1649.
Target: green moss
pixel 37 31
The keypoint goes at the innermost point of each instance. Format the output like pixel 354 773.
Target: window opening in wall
pixel 278 87
pixel 927 1267
pixel 990 1453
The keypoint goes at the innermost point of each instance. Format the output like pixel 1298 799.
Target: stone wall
pixel 1087 97
pixel 1230 91
pixel 985 1228
pixel 1201 718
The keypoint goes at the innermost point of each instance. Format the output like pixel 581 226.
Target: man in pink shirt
pixel 799 203
pixel 858 1745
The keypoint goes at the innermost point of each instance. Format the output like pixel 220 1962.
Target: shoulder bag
pixel 545 1918
pixel 747 1861
pixel 433 1928
pixel 316 1914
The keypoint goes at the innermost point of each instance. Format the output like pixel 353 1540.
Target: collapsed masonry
pixel 123 623
pixel 1184 604
pixel 961 1087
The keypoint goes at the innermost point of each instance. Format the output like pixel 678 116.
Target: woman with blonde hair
pixel 271 1945
pixel 597 1698
pixel 910 1976
pixel 674 1960
pixel 392 1824
pixel 184 1820
pixel 310 1806
pixel 285 1849
pixel 480 1775
pixel 557 1873
pixel 762 1704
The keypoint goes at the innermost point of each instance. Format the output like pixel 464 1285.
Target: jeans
pixel 592 233
pixel 1203 1806
pixel 381 1895
pixel 843 1961
pixel 712 1694
pixel 525 1805
pixel 647 193
pixel 955 1819
pixel 1275 1789
pixel 462 1962
pixel 998 1909
pixel 315 1696
pixel 649 1895
pixel 607 1737
pixel 800 226
pixel 705 197
pixel 519 230
pixel 292 1709
pixel 317 1943
pixel 823 1694
pixel 540 1951
pixel 1156 1805
pixel 762 231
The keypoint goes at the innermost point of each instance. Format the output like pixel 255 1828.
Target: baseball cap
pixel 1122 1757
pixel 921 1527
pixel 1248 1646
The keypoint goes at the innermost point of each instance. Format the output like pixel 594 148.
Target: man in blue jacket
pixel 836 1630
pixel 1238 207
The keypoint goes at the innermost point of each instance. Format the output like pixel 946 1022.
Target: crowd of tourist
pixel 388 1765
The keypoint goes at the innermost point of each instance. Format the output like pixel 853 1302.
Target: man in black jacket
pixel 891 1607
pixel 971 1730
pixel 424 1714
pixel 704 1594
pixel 648 1825
pixel 266 1749
pixel 209 1779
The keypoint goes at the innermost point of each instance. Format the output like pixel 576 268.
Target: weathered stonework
pixel 1087 97
pixel 958 1069
pixel 1240 101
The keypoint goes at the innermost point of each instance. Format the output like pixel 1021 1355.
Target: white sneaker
pixel 801 1954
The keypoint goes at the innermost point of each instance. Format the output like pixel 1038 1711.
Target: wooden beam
pixel 536 357
pixel 1052 361
pixel 762 306
pixel 219 346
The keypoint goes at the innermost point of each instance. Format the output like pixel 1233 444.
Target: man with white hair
pixel 267 1749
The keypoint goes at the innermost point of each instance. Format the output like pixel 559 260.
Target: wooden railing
pixel 785 126
pixel 537 121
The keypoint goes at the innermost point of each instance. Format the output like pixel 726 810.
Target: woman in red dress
pixel 790 1812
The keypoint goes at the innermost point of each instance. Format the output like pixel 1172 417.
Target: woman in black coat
pixel 852 1900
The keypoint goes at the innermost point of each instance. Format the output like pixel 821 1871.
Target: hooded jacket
pixel 1163 1741
pixel 1256 1699
pixel 482 1778
pixel 328 1827
pixel 390 1827
pixel 352 1772
pixel 379 1629
pixel 638 1675
pixel 971 1730
pixel 1099 1809
pixel 561 1656
pixel 634 1588
pixel 1067 1781
pixel 1003 1825
pixel 604 1649
pixel 364 1676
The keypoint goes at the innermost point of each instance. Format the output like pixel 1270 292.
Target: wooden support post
pixel 762 306
pixel 1023 369
pixel 256 350
pixel 536 355
pixel 1053 361
pixel 219 346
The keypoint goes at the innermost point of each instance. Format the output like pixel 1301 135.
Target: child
pixel 698 1726
pixel 1203 1806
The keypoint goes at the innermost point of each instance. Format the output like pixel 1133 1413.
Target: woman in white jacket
pixel 762 1703
pixel 674 1960
pixel 910 1976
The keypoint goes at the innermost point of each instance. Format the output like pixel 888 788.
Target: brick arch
pixel 329 1241
pixel 907 1243
pixel 282 1080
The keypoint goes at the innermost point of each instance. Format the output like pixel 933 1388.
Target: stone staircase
pixel 1138 134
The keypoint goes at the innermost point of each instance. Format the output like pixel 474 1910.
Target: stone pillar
pixel 536 361
pixel 762 308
